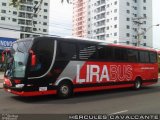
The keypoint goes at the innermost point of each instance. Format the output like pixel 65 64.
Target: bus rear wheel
pixel 65 90
pixel 137 84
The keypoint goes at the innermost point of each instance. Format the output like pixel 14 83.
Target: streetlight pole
pixel 143 33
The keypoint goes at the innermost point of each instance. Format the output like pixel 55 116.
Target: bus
pixel 63 66
pixel 159 60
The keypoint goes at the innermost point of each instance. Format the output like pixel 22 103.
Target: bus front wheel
pixel 137 84
pixel 65 90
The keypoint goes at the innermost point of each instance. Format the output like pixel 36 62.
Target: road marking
pixel 124 111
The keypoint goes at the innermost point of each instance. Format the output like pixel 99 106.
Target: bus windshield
pixel 17 60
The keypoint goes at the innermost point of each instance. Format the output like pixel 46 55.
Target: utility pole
pixel 137 21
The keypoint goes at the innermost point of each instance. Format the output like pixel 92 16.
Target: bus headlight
pixel 19 85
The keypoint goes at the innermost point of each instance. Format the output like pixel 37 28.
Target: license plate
pixel 42 88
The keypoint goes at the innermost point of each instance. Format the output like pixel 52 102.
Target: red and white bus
pixel 63 66
pixel 159 60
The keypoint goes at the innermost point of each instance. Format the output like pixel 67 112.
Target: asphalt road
pixel 122 101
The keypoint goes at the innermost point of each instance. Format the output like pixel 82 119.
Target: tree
pixel 36 8
pixel 15 3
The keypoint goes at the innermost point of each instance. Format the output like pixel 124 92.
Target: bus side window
pixel 144 57
pixel 120 55
pixel 132 56
pixel 66 51
pixel 43 50
pixel 153 57
pixel 87 52
pixel 101 52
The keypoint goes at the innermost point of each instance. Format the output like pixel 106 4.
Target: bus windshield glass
pixel 17 60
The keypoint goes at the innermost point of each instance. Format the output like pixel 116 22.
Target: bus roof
pixel 99 42
pixel 103 42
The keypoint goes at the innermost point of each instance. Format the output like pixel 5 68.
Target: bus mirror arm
pixel 33 58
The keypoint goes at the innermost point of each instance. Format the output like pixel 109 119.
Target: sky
pixel 156 20
pixel 61 20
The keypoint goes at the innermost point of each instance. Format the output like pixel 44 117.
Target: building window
pixel 3 11
pixel 144 8
pixel 144 22
pixel 115 18
pixel 34 22
pixel 135 8
pixel 44 23
pixel 127 34
pixel 128 4
pixel 45 17
pixel 45 4
pixel 35 15
pixel 34 29
pixel 128 11
pixel 135 15
pixel 14 13
pixel 115 34
pixel 45 10
pixel 3 18
pixel 115 26
pixel 144 1
pixel 36 2
pixel 115 10
pixel 128 19
pixel 14 20
pixel 115 3
pixel 44 30
pixel 4 4
pixel 128 27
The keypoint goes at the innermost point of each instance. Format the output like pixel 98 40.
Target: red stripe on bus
pixel 102 88
pixel 34 93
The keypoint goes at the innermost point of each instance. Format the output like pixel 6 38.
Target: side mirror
pixel 33 58
pixel 2 57
pixel 5 53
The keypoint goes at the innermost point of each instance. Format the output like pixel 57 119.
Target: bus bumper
pixel 30 93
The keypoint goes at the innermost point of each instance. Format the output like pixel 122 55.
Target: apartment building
pixel 119 21
pixel 80 18
pixel 23 16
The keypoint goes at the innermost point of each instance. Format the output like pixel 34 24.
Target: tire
pixel 65 90
pixel 137 84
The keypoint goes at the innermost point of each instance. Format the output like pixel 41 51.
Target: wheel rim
pixel 138 84
pixel 64 90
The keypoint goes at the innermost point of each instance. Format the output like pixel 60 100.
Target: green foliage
pixel 16 3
